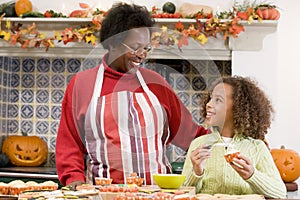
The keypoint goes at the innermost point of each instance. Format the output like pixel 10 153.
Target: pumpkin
pixel 169 7
pixel 23 150
pixel 287 162
pixel 268 13
pixel 23 6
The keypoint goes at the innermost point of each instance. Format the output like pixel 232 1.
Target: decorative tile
pixel 27 96
pixel 56 112
pixel 196 116
pixel 58 81
pixel 4 95
pixel 42 96
pixel 15 64
pixel 28 81
pixel 1 77
pixel 42 111
pixel 13 96
pixel 57 96
pixel 58 65
pixel 52 142
pixel 54 127
pixel 3 127
pixel 27 111
pixel 182 83
pixel 184 97
pixel 3 110
pixel 196 99
pixel 15 80
pixel 27 126
pixel 43 65
pixel 13 126
pixel 198 83
pixel 6 79
pixel 13 110
pixel 42 127
pixel 73 65
pixel 213 69
pixel 199 67
pixel 89 63
pixel 186 66
pixel 6 63
pixel 28 65
pixel 1 62
pixel 42 81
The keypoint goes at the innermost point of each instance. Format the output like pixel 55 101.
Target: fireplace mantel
pixel 216 48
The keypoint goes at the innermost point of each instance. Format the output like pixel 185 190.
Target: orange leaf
pixel 25 44
pixel 179 26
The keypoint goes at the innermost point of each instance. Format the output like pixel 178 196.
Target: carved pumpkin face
pixel 25 150
pixel 288 163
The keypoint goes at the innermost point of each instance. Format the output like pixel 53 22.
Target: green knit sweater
pixel 220 177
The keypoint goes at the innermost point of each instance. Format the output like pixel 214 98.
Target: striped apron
pixel 125 133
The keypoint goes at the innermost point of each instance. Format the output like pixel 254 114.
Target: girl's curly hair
pixel 120 18
pixel 252 110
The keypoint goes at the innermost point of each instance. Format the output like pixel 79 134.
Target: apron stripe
pixel 124 131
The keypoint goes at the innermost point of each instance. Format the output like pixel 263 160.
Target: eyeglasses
pixel 138 51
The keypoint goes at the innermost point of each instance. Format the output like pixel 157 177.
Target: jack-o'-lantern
pixel 287 162
pixel 23 150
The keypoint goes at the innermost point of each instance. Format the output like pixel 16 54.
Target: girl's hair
pixel 252 110
pixel 121 18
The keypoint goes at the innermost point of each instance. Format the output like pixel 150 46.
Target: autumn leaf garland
pixel 29 37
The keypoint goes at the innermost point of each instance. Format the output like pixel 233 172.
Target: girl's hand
pixel 198 157
pixel 242 166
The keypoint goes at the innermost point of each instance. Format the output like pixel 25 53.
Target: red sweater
pixel 70 149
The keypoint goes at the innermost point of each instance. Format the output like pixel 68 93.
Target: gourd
pixel 169 7
pixel 8 8
pixel 24 150
pixel 287 162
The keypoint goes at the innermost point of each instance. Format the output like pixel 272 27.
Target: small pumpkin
pixel 24 150
pixel 23 6
pixel 287 162
pixel 268 12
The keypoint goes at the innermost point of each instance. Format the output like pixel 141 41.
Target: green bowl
pixel 169 181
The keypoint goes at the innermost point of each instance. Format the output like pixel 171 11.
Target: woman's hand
pixel 198 157
pixel 74 184
pixel 242 166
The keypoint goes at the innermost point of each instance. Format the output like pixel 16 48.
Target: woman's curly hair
pixel 120 18
pixel 252 110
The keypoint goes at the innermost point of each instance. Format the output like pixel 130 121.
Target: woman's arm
pixel 69 147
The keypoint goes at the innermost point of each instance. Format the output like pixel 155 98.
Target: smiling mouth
pixel 209 114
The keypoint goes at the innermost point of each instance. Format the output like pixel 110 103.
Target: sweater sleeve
pixel 69 147
pixel 266 179
pixel 191 178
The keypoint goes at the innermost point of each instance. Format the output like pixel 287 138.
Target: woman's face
pixel 219 108
pixel 132 51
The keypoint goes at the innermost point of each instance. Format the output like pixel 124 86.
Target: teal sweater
pixel 220 177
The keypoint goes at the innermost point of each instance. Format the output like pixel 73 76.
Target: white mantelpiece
pixel 215 48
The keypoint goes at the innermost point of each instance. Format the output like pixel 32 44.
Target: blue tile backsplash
pixel 32 89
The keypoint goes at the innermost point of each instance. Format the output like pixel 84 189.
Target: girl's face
pixel 132 51
pixel 219 108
